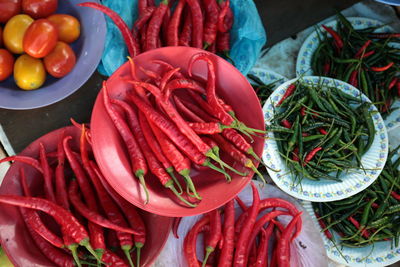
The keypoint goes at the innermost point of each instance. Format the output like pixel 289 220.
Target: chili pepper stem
pixel 171 186
pixel 190 185
pixel 171 173
pixel 143 183
pixel 250 165
pixel 217 159
pixel 138 250
pixel 85 243
pixel 215 168
pixel 126 249
pixel 209 250
pixel 73 248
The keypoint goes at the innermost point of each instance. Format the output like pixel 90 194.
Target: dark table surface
pixel 281 19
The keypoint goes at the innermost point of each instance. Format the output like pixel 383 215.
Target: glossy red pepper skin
pixel 197 22
pixel 383 68
pixel 47 174
pixel 112 259
pixel 211 22
pixel 289 91
pixel 362 49
pixel 337 39
pixel 189 244
pixel 283 247
pixel 311 155
pixel 215 232
pixel 173 26
pixel 154 26
pixel 61 185
pixel 226 254
pixel 185 37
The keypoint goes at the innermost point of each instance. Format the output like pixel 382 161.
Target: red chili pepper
pixel 143 19
pixel 53 254
pixel 164 25
pixel 392 83
pixel 380 69
pixel 223 43
pixel 283 246
pixel 285 123
pixel 337 39
pixel 185 38
pixel 173 26
pixel 24 159
pixel 295 154
pixel 212 98
pixel 112 259
pixel 243 240
pixel 384 35
pixel 143 37
pixel 353 78
pixel 131 43
pixel 367 54
pixel 133 217
pixel 33 220
pixel 289 91
pixel 151 74
pixel 154 26
pixel 322 131
pixel 364 231
pixel 166 77
pixel 262 252
pixel 112 240
pixel 142 5
pixel 215 233
pixel 311 155
pixel 395 195
pixel 201 105
pixel 226 254
pixel 61 192
pixel 181 83
pixel 91 215
pixel 305 134
pixel 206 127
pixel 190 115
pixel 211 21
pixel 240 142
pixel 326 68
pixel 175 226
pixel 303 111
pixel 189 244
pixel 138 162
pixel 197 22
pixel 237 155
pixel 375 205
pixel 225 17
pixel 47 174
pixel 362 49
pixel 241 204
pixel 321 222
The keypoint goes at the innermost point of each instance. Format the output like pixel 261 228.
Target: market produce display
pixel 264 82
pixel 368 217
pixel 168 133
pixel 201 24
pixel 245 237
pixel 366 58
pixel 44 37
pixel 88 212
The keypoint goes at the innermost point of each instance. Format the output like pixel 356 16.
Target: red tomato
pixel 39 8
pixel 40 38
pixel 60 61
pixel 6 64
pixel 68 27
pixel 8 9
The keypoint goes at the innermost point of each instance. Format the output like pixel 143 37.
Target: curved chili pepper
pixel 112 259
pixel 33 220
pixel 133 217
pixel 189 244
pixel 197 22
pixel 137 159
pixel 362 49
pixel 173 26
pixel 153 29
pixel 181 84
pixel 223 44
pixel 190 115
pixel 185 38
pixel 196 109
pixel 143 18
pixel 142 5
pixel 392 83
pixel 92 215
pixel 311 155
pixel 367 54
pixel 226 254
pixel 166 77
pixel 322 131
pixel 283 245
pixel 211 21
pixel 175 226
pixel 337 39
pixel 47 174
pixel 321 222
pixel 289 91
pixel 243 240
pixel 131 43
pixel 61 192
pixel 262 252
pixel 215 234
pixel 380 69
pixel 24 159
pixel 353 78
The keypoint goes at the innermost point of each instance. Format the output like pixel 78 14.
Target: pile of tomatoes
pixel 35 41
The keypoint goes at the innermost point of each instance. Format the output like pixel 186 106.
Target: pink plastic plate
pixel 111 154
pixel 15 238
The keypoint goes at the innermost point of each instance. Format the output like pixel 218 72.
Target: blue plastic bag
pixel 247 35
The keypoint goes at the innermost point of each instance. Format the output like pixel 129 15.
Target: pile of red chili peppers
pixel 88 212
pixel 246 240
pixel 202 24
pixel 166 133
pixel 361 57
pixel 369 216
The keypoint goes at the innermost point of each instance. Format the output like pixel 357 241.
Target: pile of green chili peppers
pixel 262 89
pixel 321 132
pixel 363 58
pixel 369 216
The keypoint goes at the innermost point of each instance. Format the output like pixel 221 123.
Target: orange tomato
pixel 60 61
pixel 39 8
pixel 6 64
pixel 29 72
pixel 68 27
pixel 40 38
pixel 14 31
pixel 9 8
